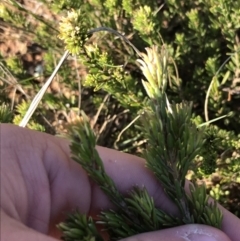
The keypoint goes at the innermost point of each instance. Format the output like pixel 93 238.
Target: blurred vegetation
pixel 202 39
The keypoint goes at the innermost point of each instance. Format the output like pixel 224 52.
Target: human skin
pixel 40 184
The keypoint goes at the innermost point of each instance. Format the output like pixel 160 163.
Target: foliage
pixel 21 110
pixel 201 39
pixel 78 227
pixel 5 113
pixel 173 142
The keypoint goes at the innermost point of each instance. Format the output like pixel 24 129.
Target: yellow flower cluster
pixel 73 31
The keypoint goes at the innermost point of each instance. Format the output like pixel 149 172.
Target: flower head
pixel 154 67
pixel 74 31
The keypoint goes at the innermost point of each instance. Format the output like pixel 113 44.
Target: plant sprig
pixel 173 143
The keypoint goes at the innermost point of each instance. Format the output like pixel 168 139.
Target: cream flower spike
pixel 154 67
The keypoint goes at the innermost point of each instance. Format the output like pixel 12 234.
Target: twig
pixel 79 85
pixel 211 84
pixel 95 118
pixel 12 80
pixel 42 91
pixel 110 120
pixel 105 124
pixel 118 34
pixel 124 129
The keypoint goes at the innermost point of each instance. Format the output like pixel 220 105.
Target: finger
pixel 128 171
pixel 14 230
pixel 191 232
pixel 230 224
pixel 39 182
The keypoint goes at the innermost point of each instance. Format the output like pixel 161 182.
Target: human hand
pixel 40 184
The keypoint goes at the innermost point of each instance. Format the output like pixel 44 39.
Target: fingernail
pixel 198 235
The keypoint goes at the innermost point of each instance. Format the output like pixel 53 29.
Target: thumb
pixel 190 232
pixel 14 230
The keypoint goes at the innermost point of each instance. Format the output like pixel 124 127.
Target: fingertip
pixel 190 232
